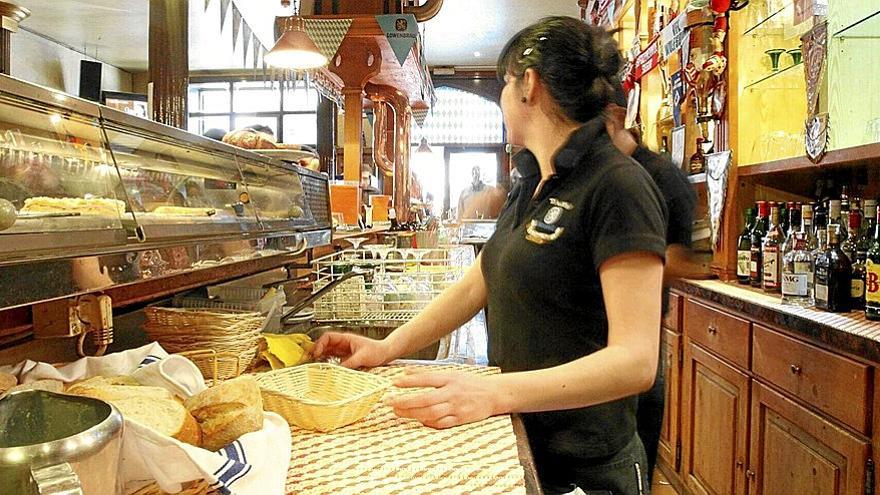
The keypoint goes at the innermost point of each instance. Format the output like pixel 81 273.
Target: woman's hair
pixel 576 62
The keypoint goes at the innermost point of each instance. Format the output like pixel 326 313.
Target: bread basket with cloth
pixel 254 463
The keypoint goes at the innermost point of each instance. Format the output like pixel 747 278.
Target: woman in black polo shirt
pixel 572 278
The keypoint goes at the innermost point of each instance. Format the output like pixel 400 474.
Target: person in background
pixel 468 195
pixel 572 278
pixel 480 200
pixel 215 134
pixel 681 201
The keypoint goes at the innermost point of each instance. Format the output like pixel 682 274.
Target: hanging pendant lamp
pixel 295 49
pixel 423 147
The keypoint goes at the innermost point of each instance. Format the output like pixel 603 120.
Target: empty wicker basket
pixel 321 396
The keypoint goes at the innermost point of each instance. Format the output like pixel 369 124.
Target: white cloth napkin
pixel 255 464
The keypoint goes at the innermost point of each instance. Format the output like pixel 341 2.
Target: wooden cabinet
pixel 722 333
pixel 669 445
pixel 836 385
pixel 715 425
pixel 796 451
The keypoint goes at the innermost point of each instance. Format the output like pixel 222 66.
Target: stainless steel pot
pixel 58 444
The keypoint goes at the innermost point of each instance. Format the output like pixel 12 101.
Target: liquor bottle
pixel 872 273
pixel 756 265
pixel 772 252
pixel 698 160
pixel 833 277
pixel 797 265
pixel 833 212
pixel 869 222
pixel 857 283
pixel 664 147
pixel 744 248
pixel 792 226
pixel 849 245
pixel 810 242
pixel 392 217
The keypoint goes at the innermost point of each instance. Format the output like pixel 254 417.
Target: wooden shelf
pixel 848 157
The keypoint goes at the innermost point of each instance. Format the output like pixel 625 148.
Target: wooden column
pixel 11 16
pixel 169 60
pixel 327 135
pixel 357 60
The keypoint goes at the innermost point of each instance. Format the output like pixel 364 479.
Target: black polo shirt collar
pixel 572 153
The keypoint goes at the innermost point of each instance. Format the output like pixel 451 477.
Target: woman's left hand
pixel 457 398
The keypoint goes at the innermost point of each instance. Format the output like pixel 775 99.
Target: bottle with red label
pixel 872 274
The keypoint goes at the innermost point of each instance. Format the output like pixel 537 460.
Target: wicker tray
pixel 320 396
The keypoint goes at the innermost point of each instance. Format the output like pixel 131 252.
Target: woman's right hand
pixel 356 351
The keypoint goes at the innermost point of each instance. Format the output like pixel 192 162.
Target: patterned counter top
pixel 846 332
pixel 384 454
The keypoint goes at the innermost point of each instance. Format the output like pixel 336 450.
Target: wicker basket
pixel 184 330
pixel 320 396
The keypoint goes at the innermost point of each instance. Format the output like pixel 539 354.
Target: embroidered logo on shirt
pixel 540 232
pixel 553 215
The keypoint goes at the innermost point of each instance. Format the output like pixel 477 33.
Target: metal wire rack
pixel 395 285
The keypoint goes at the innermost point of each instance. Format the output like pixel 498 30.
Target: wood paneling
pixel 831 383
pixel 669 432
pixel 722 333
pixel 796 451
pixel 169 60
pixel 715 425
pixel 672 319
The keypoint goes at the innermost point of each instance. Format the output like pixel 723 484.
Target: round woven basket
pixel 320 396
pixel 200 487
pixel 183 330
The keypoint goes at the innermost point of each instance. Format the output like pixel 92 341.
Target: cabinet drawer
pixel 834 384
pixel 722 333
pixel 672 319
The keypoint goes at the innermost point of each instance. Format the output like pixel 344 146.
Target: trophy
pixel 774 54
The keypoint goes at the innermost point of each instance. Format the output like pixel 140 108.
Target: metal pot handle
pixel 57 479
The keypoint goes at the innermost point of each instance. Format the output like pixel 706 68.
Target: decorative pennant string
pixel 236 25
pixel 224 7
pixel 245 40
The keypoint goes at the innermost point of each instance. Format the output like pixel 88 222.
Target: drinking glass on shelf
pixel 872 131
pixel 356 241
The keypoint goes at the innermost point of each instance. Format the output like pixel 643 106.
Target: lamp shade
pixel 423 147
pixel 295 49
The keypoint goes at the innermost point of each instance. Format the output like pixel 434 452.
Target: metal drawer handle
pixel 795 369
pixel 750 473
pixel 739 464
pixel 712 330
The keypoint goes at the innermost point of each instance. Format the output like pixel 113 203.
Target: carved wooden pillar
pixel 11 16
pixel 169 60
pixel 327 135
pixel 357 60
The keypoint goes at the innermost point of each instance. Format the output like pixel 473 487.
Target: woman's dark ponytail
pixel 576 61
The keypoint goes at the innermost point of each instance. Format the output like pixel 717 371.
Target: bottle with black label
pixel 744 248
pixel 833 277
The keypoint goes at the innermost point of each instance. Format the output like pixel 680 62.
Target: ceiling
pixel 116 31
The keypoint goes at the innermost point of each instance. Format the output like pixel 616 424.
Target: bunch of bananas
pixel 284 350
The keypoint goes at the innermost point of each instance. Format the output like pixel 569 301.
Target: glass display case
pixel 79 179
pixel 59 189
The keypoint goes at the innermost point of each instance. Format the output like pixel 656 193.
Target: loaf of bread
pixel 7 381
pixel 47 385
pixel 154 407
pixel 227 411
pixel 250 139
pixel 92 206
pixel 97 381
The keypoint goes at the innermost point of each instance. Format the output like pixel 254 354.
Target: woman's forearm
pixel 607 375
pixel 451 309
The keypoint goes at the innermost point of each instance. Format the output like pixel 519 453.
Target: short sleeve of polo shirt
pixel 626 215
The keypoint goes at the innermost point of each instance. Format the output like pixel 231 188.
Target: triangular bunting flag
pixel 207 4
pixel 402 32
pixel 256 44
pixel 328 34
pixel 246 40
pixel 224 6
pixel 236 25
pixel 420 115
